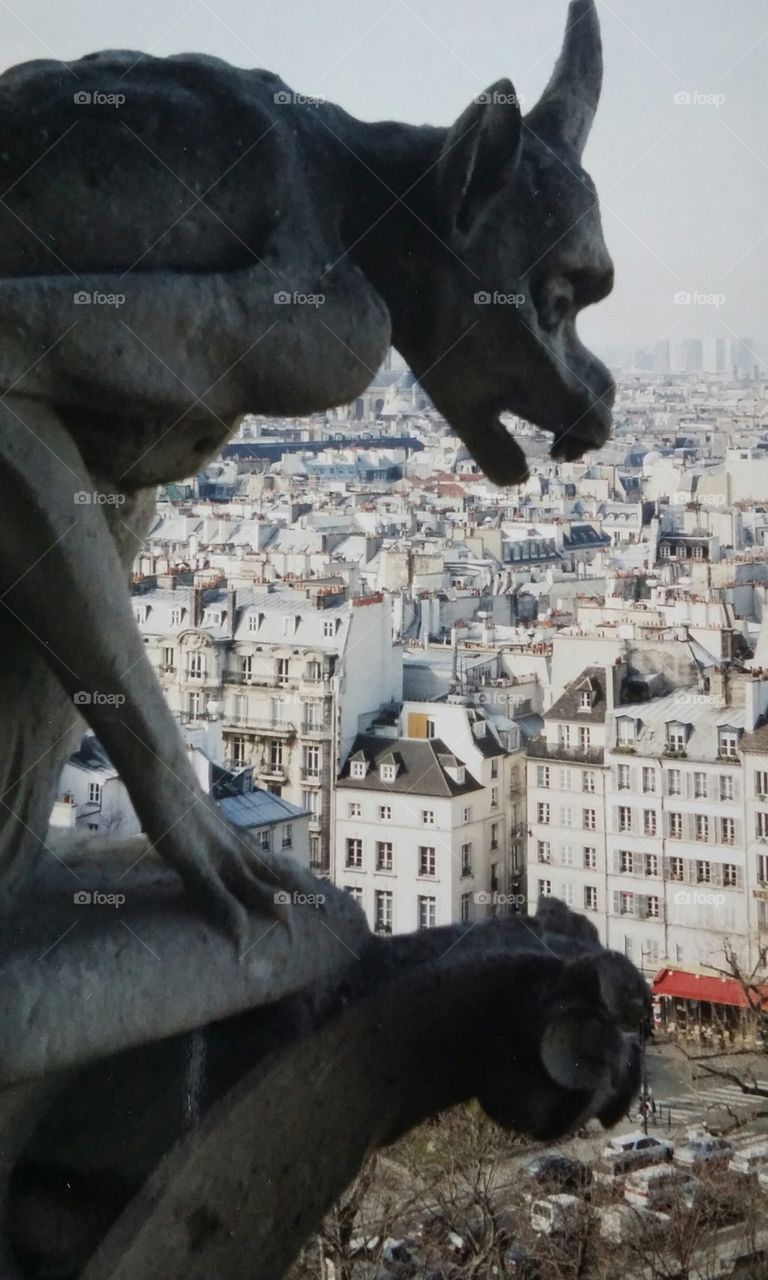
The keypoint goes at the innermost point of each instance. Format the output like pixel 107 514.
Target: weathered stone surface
pixel 79 981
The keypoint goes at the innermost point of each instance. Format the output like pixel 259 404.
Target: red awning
pixel 682 985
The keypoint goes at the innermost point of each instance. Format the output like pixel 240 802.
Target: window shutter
pixel 715 873
pixel 616 902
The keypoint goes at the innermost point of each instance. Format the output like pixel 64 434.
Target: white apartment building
pixel 92 797
pixel 290 679
pixel 423 810
pixel 676 864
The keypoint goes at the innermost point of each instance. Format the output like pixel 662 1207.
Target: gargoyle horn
pixel 566 109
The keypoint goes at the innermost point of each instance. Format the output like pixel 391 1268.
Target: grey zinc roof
pixel 258 808
pixel 420 772
pixel 569 702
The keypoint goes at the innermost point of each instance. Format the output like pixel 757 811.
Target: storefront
pixel 698 1005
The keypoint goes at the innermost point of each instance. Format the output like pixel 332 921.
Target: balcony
pixel 317 731
pixel 272 772
pixel 540 749
pixel 313 777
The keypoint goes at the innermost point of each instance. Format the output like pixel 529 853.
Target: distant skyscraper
pixel 743 357
pixel 694 353
pixel 717 355
pixel 661 356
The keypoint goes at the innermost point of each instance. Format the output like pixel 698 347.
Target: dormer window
pixel 626 734
pixel 177 617
pixel 676 736
pixel 585 700
pixel 728 742
pixel 213 619
pixel 329 628
pixel 358 765
pixel 388 772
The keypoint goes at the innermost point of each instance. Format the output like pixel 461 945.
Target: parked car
pixel 559 1215
pixel 749 1161
pixel 620 1223
pixel 551 1172
pixel 627 1152
pixel 703 1151
pixel 659 1187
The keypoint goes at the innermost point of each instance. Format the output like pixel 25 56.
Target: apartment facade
pixel 422 825
pixel 681 828
pixel 289 677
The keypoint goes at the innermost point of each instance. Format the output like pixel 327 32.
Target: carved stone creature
pixel 181 242
pixel 273 1111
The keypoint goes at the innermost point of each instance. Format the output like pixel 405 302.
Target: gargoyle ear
pixel 482 147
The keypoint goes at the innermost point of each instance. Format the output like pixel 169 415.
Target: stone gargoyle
pixel 273 1111
pixel 182 241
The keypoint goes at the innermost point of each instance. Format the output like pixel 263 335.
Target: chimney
pixel 231 612
pixel 718 686
pixel 454 654
pixel 196 606
pixel 614 678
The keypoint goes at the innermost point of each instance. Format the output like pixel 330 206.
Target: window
pixel 761 782
pixel 431 733
pixel 494 797
pixel 542 775
pixel 585 700
pixel 466 899
pixel 649 780
pixel 566 816
pixel 314 672
pixel 701 826
pixel 275 754
pixel 674 782
pixel 195 705
pixel 761 825
pixel 385 813
pixel 168 656
pixel 588 780
pixel 566 779
pixel 703 872
pixel 382 911
pixel 542 812
pixel 625 731
pixel 676 736
pixel 626 861
pixel 355 892
pixel 730 875
pixel 313 716
pixel 94 793
pixel 700 786
pixel 567 855
pixel 354 852
pixel 427 818
pixel 762 868
pixel 728 742
pixel 388 772
pixel 329 629
pixel 310 801
pixel 357 769
pixel 649 822
pixel 311 761
pixel 625 818
pixel 623 777
pixel 494 768
pixel 676 869
pixel 265 840
pixel 287 837
pixel 675 826
pixel 564 735
pixel 545 888
pixel 590 819
pixel 652 908
pixel 468 814
pixel 626 904
pixel 727 787
pixel 383 855
pixel 355 809
pixel 590 859
pixel 544 851
pixel 651 864
pixel 585 738
pixel 195 666
pixel 246 666
pixel 283 667
pixel 727 831
pixel 466 859
pixel 427 860
pixel 176 616
pixel 239 746
pixel 427 912
pixel 590 897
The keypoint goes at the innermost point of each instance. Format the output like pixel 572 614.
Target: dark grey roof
pixel 568 704
pixel 419 773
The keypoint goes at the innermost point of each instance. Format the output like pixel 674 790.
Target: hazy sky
pixel 683 186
